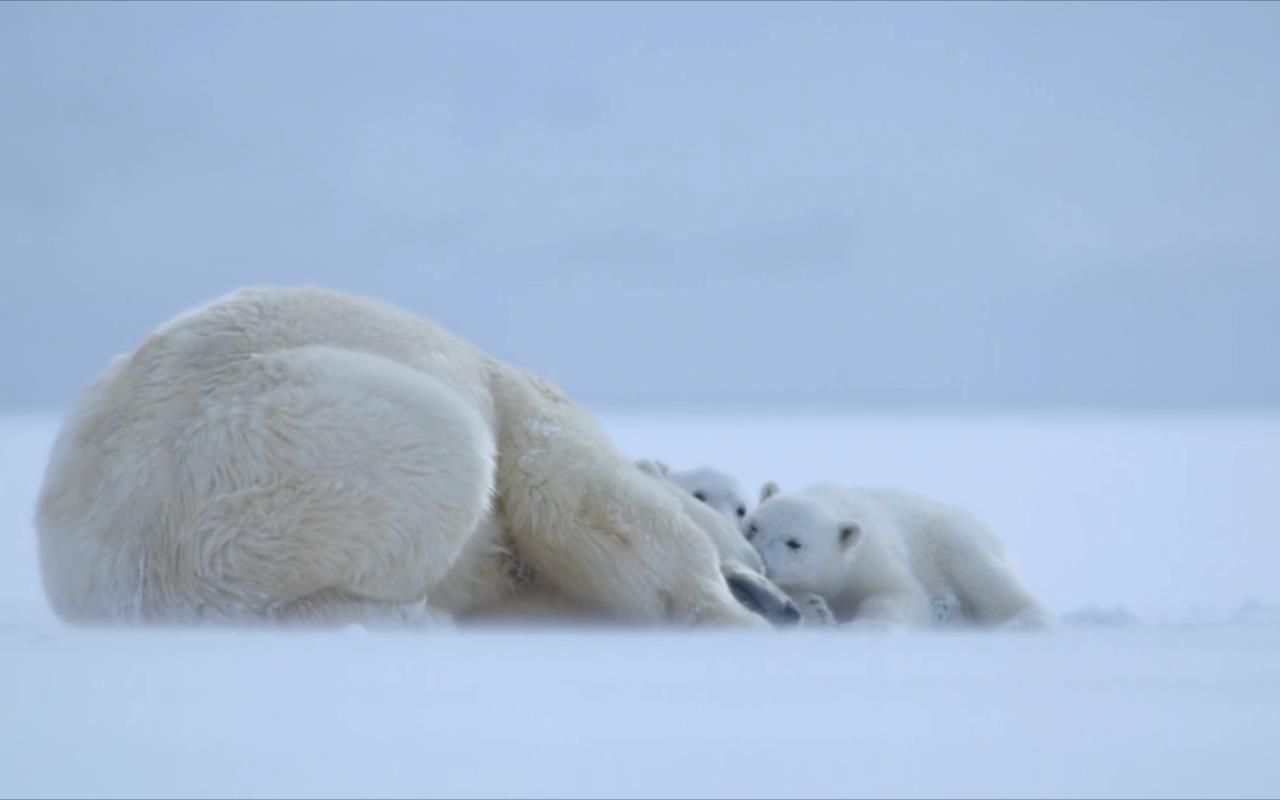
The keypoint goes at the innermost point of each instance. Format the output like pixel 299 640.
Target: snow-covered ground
pixel 1154 537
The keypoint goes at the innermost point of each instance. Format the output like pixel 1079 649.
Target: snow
pixel 1150 536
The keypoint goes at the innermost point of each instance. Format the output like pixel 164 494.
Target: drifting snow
pixel 1148 536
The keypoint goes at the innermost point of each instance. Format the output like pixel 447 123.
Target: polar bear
pixel 888 557
pixel 741 562
pixel 720 490
pixel 491 584
pixel 302 454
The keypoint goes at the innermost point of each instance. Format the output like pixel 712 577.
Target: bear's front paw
pixel 758 593
pixel 814 611
pixel 944 608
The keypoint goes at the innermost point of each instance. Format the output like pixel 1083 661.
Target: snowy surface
pixel 1152 537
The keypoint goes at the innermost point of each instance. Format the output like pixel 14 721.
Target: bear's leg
pixel 600 531
pixel 486 575
pixel 330 608
pixel 340 484
pixel 759 594
pixel 904 608
pixel 638 559
pixel 991 591
pixel 945 608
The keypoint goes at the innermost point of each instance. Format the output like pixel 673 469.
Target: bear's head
pixel 717 489
pixel 803 545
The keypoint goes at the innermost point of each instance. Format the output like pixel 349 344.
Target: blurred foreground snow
pixel 1152 537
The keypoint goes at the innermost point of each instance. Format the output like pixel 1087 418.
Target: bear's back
pixel 928 534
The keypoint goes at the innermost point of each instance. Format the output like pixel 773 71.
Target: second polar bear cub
pixel 717 489
pixel 888 556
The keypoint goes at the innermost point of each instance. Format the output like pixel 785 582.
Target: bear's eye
pixel 742 511
pixel 752 530
pixel 700 497
pixel 794 544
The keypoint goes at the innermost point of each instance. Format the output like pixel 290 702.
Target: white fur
pixel 902 559
pixel 303 454
pixel 717 489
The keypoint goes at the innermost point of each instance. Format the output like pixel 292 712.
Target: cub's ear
pixel 653 467
pixel 768 490
pixel 850 534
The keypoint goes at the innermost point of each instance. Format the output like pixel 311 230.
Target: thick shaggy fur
pixel 303 454
pixel 889 557
pixel 720 490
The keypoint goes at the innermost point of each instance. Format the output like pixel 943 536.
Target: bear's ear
pixel 652 467
pixel 850 534
pixel 768 490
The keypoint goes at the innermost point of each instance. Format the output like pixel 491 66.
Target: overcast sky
pixel 831 205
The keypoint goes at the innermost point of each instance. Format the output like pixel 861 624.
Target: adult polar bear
pixel 306 454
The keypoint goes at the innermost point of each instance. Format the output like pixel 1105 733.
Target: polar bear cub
pixel 720 490
pixel 888 557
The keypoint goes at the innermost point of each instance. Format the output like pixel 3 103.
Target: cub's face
pixel 733 546
pixel 716 489
pixel 802 546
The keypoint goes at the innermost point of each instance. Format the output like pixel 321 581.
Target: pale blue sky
pixel 840 205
